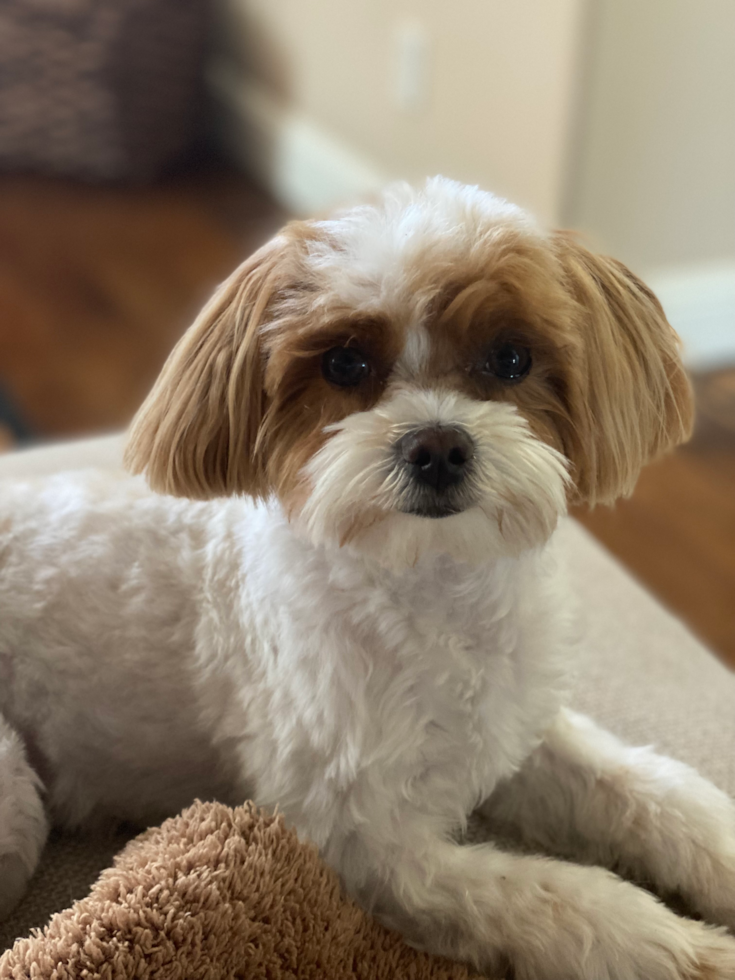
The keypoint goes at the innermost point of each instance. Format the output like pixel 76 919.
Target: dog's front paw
pixel 713 954
pixel 666 947
pixel 697 860
pixel 608 929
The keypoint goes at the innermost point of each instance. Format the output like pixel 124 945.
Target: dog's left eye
pixel 508 361
pixel 345 366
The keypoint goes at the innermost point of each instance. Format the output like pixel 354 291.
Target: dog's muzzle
pixel 437 460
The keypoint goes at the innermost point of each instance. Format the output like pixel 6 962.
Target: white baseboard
pixel 303 166
pixel 700 304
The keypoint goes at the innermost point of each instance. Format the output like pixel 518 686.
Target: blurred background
pixel 147 146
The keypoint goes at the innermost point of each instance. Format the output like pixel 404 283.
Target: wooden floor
pixel 96 284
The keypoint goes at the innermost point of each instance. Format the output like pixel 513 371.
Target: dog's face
pixel 430 373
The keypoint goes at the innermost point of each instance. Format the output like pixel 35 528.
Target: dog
pixel 338 592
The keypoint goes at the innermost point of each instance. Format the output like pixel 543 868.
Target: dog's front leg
pixel 543 917
pixel 587 796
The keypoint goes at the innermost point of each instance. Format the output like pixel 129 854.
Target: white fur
pixel 416 351
pixel 380 248
pixel 22 820
pixel 519 484
pixel 375 674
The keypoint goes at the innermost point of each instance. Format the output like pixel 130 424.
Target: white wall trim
pixel 304 167
pixel 699 301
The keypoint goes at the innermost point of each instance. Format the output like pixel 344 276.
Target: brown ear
pixel 196 433
pixel 630 397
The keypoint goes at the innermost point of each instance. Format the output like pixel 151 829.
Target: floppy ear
pixel 630 398
pixel 196 433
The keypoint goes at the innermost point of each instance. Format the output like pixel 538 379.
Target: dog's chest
pixel 454 696
pixel 433 685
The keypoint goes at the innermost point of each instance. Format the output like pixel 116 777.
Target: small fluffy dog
pixel 355 612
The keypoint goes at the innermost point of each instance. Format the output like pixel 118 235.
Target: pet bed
pixel 643 676
pixel 217 893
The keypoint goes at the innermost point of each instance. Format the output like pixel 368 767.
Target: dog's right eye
pixel 345 366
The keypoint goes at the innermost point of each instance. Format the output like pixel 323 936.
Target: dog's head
pixel 429 373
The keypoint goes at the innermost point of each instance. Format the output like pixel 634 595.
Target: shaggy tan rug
pixel 219 893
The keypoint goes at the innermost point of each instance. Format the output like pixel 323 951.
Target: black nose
pixel 437 456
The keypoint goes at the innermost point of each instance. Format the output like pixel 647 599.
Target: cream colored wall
pixel 655 177
pixel 501 83
pixel 614 116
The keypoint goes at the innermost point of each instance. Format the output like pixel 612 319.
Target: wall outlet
pixel 412 53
